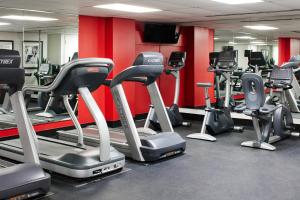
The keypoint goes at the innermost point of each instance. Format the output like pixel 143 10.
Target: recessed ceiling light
pixel 232 43
pixel 261 27
pixel 238 1
pixel 245 37
pixel 127 8
pixel 4 23
pixel 258 42
pixel 245 33
pixel 22 9
pixel 28 18
pixel 216 38
pixel 261 44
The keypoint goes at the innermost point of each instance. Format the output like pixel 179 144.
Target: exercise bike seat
pixel 205 85
pixel 267 109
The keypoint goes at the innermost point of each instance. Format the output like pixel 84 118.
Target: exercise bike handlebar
pixel 276 85
pixel 213 69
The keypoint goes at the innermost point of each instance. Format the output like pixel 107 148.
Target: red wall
pixel 287 47
pixel 91 43
pixel 198 48
pixel 121 40
pixel 166 83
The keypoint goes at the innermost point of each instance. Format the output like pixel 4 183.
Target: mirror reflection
pixel 45 44
pixel 244 43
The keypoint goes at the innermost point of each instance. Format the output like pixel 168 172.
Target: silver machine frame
pixel 176 74
pixel 203 135
pixel 228 91
pixel 26 131
pixel 130 130
pixel 294 93
pixel 109 159
pixel 141 144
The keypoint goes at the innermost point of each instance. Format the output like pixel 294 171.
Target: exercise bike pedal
pixel 239 129
pixel 187 124
pixel 295 134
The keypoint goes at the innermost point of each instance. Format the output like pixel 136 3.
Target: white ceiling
pixel 231 18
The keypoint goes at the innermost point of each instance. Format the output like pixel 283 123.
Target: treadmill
pixel 74 159
pixel 141 144
pixel 26 180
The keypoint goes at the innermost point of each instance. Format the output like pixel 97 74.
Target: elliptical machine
pixel 176 63
pixel 217 119
pixel 280 80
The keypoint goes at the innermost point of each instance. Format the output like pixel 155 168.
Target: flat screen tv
pixel 160 33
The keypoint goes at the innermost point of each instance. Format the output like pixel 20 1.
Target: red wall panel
pixel 199 44
pixel 166 83
pixel 284 50
pixel 121 40
pixel 91 43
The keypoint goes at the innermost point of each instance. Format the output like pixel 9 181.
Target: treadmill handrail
pixel 151 72
pixel 105 62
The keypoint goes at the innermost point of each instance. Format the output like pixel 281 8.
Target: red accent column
pixel 120 43
pixel 284 50
pixel 91 44
pixel 121 40
pixel 199 43
pixel 111 38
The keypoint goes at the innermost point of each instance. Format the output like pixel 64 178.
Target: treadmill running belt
pixel 47 148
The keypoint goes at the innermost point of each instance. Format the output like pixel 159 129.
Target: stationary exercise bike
pixel 281 79
pixel 217 119
pixel 293 97
pixel 272 119
pixel 176 63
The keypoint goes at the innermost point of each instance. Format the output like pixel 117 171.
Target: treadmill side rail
pixel 160 109
pixel 127 121
pixel 27 134
pixel 104 148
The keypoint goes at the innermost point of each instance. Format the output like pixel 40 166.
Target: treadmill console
pixel 225 60
pixel 256 59
pixel 177 59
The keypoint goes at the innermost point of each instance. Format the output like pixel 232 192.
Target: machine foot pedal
pixel 238 128
pixel 295 134
pixel 202 136
pixel 258 145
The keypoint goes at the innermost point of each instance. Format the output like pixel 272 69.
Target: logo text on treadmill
pixel 6 61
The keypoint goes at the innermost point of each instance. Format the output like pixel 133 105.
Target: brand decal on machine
pixel 6 61
pixel 93 69
pixel 153 60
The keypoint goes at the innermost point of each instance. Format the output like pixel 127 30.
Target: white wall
pixel 69 46
pixel 54 48
pixel 61 47
pixel 17 37
pixel 29 36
